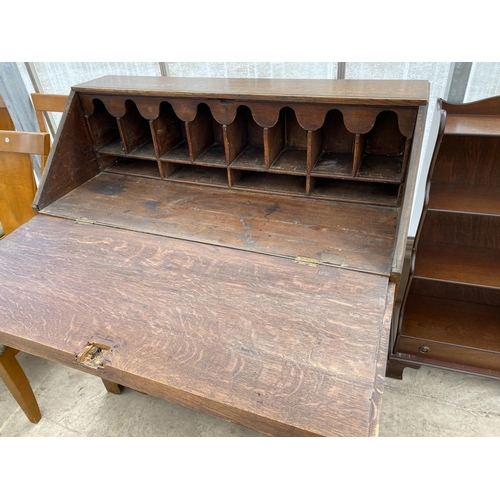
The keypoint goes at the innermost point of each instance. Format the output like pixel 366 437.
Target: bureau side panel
pixel 409 192
pixel 72 160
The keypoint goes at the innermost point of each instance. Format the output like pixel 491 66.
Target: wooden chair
pixel 17 383
pixel 17 190
pixel 17 181
pixel 44 103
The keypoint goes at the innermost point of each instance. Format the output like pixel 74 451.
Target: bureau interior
pixel 142 158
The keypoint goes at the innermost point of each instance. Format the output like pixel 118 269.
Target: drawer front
pixel 433 352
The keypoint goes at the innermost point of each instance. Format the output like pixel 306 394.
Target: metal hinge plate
pixel 305 261
pixel 84 220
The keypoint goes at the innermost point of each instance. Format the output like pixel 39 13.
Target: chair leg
pixel 16 381
pixel 112 386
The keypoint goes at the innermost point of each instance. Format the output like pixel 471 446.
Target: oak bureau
pixel 230 245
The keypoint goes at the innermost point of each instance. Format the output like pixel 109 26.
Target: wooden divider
pixel 327 163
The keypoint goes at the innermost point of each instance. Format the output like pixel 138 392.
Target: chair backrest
pixel 6 122
pixel 17 181
pixel 47 102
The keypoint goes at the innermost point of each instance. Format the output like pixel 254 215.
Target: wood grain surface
pixel 453 322
pixel 386 92
pixel 473 160
pixel 72 147
pixel 284 348
pixel 346 235
pixel 459 264
pixel 464 198
pixel 470 125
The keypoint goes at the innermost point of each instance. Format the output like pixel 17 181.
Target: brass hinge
pixel 305 261
pixel 84 220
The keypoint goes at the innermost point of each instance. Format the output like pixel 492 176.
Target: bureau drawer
pixel 431 352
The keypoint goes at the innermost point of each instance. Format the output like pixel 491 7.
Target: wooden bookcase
pixel 229 245
pixel 451 310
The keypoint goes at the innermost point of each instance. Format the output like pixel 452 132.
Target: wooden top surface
pixel 347 235
pixel 483 125
pixel 301 347
pixel 383 92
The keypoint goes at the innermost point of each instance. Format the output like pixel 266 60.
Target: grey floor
pixel 427 402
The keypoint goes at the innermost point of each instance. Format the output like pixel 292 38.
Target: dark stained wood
pixel 252 158
pixel 336 137
pixel 358 153
pixel 134 129
pixel 464 198
pixel 406 157
pixel 459 358
pixel 235 138
pixel 355 192
pixel 407 191
pixel 212 156
pixel 450 228
pixel 218 201
pixel 74 147
pixel 166 168
pixel 459 264
pixel 179 154
pixel 200 132
pixel 233 176
pixel 144 152
pixel 484 108
pixel 196 174
pixel 272 183
pixel 395 368
pixel 454 291
pixel 354 236
pixel 115 148
pixel 469 160
pixel 453 322
pixel 373 92
pixel 166 130
pixel 295 135
pixel 141 168
pixel 103 126
pixel 385 138
pixel 282 342
pixel 274 140
pixel 313 148
pixel 471 125
pixel 335 165
pixel 293 161
pixel 380 169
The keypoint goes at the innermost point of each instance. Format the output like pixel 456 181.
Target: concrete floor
pixel 428 402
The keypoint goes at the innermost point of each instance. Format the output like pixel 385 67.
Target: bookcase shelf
pixel 450 316
pixel 459 264
pixel 464 198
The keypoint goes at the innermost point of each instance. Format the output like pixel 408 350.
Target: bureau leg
pixel 17 383
pixel 112 386
pixel 395 368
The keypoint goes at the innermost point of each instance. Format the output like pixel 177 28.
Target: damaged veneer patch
pixel 96 353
